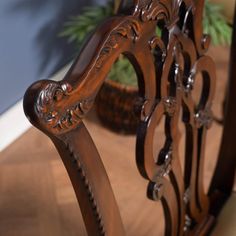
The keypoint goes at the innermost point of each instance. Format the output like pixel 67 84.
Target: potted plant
pixel 116 100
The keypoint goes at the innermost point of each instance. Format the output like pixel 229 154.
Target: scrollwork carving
pixel 53 92
pixel 129 29
pixel 165 168
pixel 188 223
pixel 156 42
pixel 157 191
pixel 204 118
pixel 166 82
pixel 55 118
pixel 182 58
pixel 158 10
pixel 170 104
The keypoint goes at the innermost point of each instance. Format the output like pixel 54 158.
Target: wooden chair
pixel 166 68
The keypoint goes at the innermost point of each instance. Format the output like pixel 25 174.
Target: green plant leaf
pixel 215 24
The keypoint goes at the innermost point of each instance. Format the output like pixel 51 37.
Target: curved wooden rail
pixel 166 68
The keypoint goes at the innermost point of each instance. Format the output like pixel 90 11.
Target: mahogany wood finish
pixel 166 68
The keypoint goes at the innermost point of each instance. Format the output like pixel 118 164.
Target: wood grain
pixel 36 197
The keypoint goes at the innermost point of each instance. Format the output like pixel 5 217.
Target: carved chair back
pixel 166 68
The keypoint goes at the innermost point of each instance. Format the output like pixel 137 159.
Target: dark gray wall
pixel 30 48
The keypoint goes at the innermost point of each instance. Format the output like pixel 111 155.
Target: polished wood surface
pixel 37 197
pixel 168 68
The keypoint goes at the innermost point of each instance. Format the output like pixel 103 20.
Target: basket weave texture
pixel 115 105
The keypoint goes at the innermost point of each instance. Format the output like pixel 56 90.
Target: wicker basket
pixel 115 107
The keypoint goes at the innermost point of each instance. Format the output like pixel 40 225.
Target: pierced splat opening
pixel 172 79
pixel 199 85
pixel 118 101
pixel 118 156
pixel 123 72
pixel 182 15
pixel 162 31
pixel 182 141
pixel 159 45
pixel 161 141
pixel 188 151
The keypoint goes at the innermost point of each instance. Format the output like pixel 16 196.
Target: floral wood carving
pixel 45 107
pixel 167 67
pixel 129 29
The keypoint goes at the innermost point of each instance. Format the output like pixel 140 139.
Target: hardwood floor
pixel 36 197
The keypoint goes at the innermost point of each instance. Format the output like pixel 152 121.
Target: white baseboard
pixel 13 122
